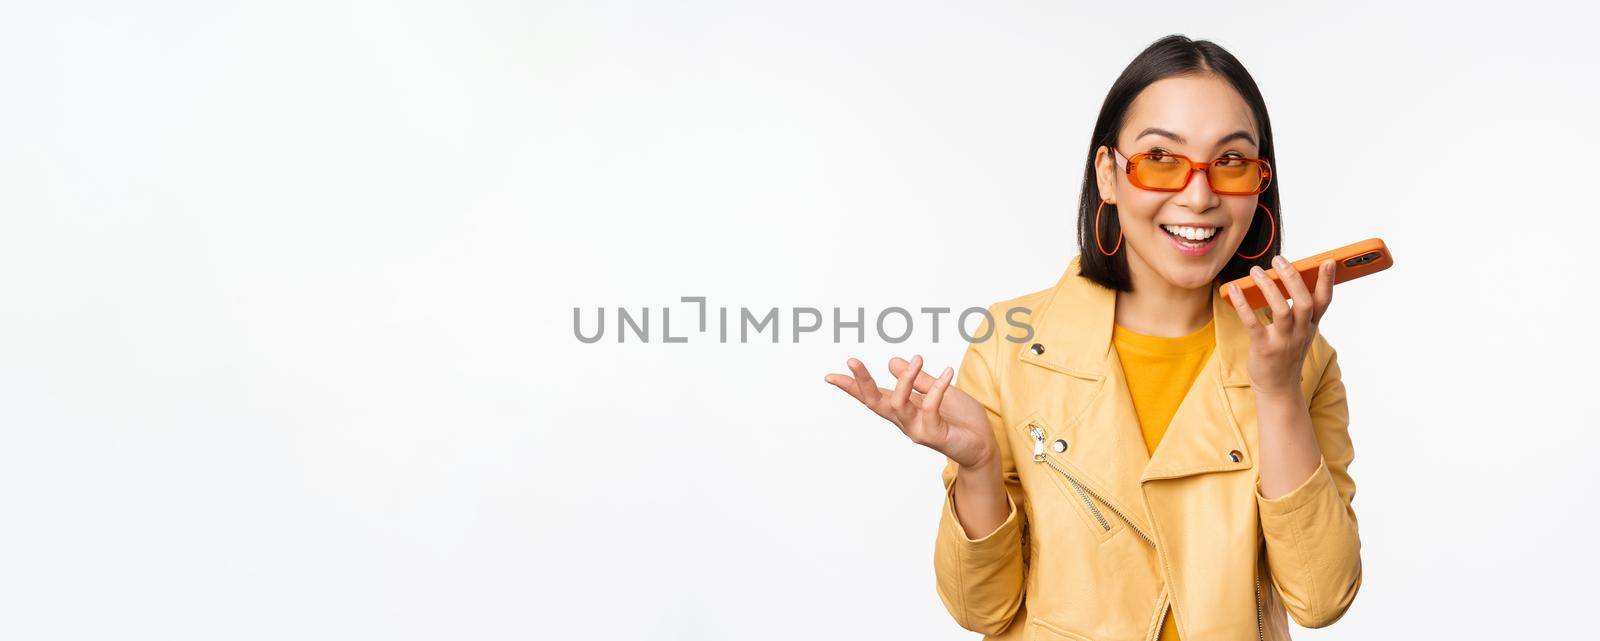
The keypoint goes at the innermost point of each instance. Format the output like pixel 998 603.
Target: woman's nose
pixel 1197 195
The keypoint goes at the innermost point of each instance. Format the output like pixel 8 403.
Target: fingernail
pixel 1257 270
pixel 1234 290
pixel 1279 261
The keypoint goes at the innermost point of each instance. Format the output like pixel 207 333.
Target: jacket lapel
pixel 1203 434
pixel 1073 329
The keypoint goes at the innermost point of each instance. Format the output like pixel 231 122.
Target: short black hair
pixel 1173 55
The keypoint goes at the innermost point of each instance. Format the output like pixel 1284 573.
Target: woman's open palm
pixel 930 411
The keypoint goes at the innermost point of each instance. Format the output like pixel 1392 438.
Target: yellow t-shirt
pixel 1159 372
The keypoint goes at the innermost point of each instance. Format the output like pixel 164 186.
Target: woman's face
pixel 1198 117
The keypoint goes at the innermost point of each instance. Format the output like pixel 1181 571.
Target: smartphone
pixel 1350 262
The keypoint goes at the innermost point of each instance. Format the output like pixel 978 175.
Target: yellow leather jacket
pixel 1102 536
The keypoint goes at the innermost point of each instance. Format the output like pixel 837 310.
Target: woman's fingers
pixel 1269 291
pixel 913 405
pixel 923 382
pixel 903 386
pixel 930 403
pixel 1247 316
pixel 1304 307
pixel 846 383
pixel 866 388
pixel 1324 293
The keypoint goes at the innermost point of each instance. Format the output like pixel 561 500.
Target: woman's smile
pixel 1193 240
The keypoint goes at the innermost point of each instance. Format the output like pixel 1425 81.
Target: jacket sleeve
pixel 981 580
pixel 1313 542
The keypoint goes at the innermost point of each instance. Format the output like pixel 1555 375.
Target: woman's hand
pixel 930 411
pixel 1278 350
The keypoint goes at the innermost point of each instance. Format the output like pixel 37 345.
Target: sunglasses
pixel 1228 175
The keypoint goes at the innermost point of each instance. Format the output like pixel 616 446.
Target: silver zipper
pixel 1084 492
pixel 1038 455
pixel 1260 629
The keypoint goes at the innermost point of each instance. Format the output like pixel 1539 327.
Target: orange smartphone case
pixel 1352 261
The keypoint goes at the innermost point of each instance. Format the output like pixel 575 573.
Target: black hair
pixel 1173 55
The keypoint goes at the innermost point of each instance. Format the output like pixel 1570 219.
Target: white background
pixel 286 349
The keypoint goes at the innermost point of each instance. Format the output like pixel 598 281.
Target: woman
pixel 1154 462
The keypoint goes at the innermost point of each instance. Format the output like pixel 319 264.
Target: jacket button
pixel 1060 445
pixel 1235 455
pixel 1037 349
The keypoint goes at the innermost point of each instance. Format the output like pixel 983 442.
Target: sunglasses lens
pixel 1162 172
pixel 1235 175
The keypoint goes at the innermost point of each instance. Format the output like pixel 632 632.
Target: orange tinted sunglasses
pixel 1228 175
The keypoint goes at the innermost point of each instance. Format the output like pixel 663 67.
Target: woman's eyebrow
pixel 1157 131
pixel 1237 135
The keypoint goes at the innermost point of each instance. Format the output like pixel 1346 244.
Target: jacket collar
pixel 1073 329
pixel 1077 317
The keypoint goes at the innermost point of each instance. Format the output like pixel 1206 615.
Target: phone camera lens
pixel 1362 259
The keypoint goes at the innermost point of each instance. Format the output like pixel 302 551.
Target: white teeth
pixel 1192 233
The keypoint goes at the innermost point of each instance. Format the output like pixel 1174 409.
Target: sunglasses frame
pixel 1128 165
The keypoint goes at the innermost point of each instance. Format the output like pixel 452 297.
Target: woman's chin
pixel 1190 276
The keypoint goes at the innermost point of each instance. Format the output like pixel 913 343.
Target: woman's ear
pixel 1105 172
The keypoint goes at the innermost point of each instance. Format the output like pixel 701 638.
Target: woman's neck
pixel 1156 307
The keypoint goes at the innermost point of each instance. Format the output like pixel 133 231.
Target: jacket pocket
pixel 1045 447
pixel 1042 630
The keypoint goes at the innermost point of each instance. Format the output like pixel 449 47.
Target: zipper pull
pixel 1038 442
